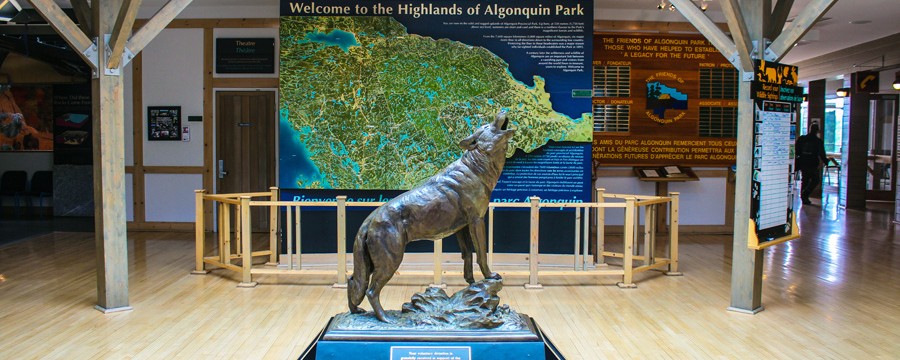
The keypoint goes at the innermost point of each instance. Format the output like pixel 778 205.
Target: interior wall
pixel 173 76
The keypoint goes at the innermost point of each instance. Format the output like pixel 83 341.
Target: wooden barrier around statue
pixel 234 247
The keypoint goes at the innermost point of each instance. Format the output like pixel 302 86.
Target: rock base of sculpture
pixel 468 325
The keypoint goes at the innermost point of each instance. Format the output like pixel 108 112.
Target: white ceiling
pixel 827 36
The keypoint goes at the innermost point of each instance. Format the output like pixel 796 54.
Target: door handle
pixel 222 171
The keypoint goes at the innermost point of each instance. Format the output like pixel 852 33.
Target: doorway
pixel 880 161
pixel 245 146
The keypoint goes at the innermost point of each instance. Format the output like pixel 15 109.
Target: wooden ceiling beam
pixel 82 14
pixel 156 24
pixel 67 29
pixel 779 18
pixel 799 27
pixel 713 33
pixel 121 31
pixel 739 32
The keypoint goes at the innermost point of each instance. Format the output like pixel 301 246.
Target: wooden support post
pixel 648 231
pixel 629 240
pixel 746 263
pixel 673 235
pixel 586 229
pixel 107 91
pixel 238 233
pixel 576 251
pixel 341 281
pixel 289 236
pixel 246 245
pixel 533 248
pixel 109 170
pixel 225 230
pixel 273 228
pixel 438 272
pixel 601 229
pixel 199 234
pixel 297 237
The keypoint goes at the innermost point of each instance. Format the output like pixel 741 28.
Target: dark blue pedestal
pixel 431 345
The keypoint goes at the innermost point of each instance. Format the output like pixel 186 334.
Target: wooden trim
pixel 218 23
pixel 129 169
pixel 245 82
pixel 161 226
pixel 138 191
pixel 208 125
pixel 174 169
pixel 662 27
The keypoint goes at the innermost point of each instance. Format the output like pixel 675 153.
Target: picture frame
pixel 164 123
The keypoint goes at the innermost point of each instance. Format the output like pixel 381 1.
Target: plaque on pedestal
pixel 339 342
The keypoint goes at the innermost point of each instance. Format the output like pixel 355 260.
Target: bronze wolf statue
pixel 452 202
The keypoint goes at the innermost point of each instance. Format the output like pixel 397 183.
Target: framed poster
pixel 164 123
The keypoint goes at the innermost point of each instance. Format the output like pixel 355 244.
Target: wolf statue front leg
pixel 464 238
pixel 479 241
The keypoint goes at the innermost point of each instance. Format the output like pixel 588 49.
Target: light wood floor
pixel 834 294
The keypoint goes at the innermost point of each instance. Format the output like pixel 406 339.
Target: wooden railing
pixel 236 246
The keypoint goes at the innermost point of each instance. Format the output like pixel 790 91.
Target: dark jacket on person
pixel 810 150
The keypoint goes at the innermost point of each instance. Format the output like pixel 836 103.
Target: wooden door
pixel 245 146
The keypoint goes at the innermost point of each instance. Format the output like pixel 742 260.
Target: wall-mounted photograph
pixel 164 123
pixel 26 118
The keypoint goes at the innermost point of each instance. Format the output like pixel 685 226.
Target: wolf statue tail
pixel 362 268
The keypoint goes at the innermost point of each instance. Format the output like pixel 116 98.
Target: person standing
pixel 810 159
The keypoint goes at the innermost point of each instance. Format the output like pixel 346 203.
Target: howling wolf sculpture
pixel 452 202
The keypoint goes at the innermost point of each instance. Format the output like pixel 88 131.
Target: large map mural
pixel 380 102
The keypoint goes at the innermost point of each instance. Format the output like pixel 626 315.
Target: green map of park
pixel 379 108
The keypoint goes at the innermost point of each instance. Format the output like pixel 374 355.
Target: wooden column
pixel 746 264
pixel 109 170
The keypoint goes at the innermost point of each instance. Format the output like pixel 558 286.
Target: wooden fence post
pixel 246 245
pixel 199 234
pixel 533 249
pixel 341 281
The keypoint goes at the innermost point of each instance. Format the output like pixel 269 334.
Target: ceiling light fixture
pixel 842 92
pixel 662 5
pixel 703 5
pixel 896 84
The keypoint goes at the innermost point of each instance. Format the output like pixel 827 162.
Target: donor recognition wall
pixel 663 99
pixel 375 97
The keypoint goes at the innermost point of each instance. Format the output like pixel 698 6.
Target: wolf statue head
pixel 491 139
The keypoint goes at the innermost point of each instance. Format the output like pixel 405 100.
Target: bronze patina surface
pixel 451 202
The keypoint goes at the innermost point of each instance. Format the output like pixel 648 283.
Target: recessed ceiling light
pixel 860 22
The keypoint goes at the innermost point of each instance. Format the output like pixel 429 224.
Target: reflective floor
pixel 833 294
